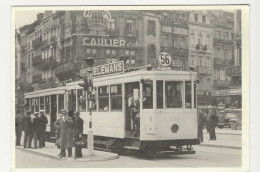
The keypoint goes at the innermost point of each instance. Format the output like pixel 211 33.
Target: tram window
pixel 195 95
pixel 173 94
pixel 116 97
pixel 72 100
pixel 159 91
pixel 47 104
pixel 36 104
pixel 148 95
pixel 61 101
pixel 81 100
pixel 94 99
pixel 32 105
pixel 41 103
pixel 27 105
pixel 103 98
pixel 187 94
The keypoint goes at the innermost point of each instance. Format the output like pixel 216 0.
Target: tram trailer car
pixel 167 111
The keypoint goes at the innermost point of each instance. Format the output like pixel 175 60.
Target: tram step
pixel 131 147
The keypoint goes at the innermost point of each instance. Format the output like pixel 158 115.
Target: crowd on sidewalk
pixel 70 131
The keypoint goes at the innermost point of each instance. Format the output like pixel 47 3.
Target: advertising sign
pixel 107 69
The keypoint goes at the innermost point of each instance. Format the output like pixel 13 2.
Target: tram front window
pixel 148 95
pixel 187 94
pixel 173 94
pixel 116 97
pixel 103 98
pixel 159 87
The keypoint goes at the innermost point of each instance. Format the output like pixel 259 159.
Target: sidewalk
pixel 51 151
pixel 226 138
pixel 227 131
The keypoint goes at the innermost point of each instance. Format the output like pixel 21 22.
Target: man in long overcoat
pixel 18 128
pixel 36 122
pixel 27 128
pixel 201 121
pixel 78 132
pixel 212 123
pixel 65 125
pixel 44 122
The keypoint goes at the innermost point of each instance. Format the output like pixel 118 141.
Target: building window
pixel 129 25
pixel 127 52
pixel 192 38
pixel 173 94
pixel 113 52
pixel 200 39
pixel 94 51
pixel 108 51
pixel 208 63
pixel 226 36
pixel 151 52
pixel 111 24
pixel 196 17
pixel 132 53
pixel 103 98
pixel 151 27
pixel 116 97
pixel 192 61
pixel 218 34
pixel 88 51
pixel 204 19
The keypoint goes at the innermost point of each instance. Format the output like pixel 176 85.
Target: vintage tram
pixel 166 110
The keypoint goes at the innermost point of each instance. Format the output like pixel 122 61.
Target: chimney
pixel 40 16
pixel 47 13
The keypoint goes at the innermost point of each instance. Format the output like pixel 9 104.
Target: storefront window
pixel 47 104
pixel 187 94
pixel 81 100
pixel 41 103
pixel 61 101
pixel 159 88
pixel 103 98
pixel 173 94
pixel 116 97
pixel 148 95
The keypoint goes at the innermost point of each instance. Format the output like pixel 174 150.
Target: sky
pixel 25 17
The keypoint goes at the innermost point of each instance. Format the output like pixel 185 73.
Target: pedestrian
pixel 201 121
pixel 44 122
pixel 36 124
pixel 27 128
pixel 18 127
pixel 65 126
pixel 78 132
pixel 212 123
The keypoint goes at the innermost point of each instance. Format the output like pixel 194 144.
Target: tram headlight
pixel 175 128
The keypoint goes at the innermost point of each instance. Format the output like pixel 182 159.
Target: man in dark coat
pixel 44 122
pixel 78 132
pixel 36 128
pixel 18 128
pixel 201 121
pixel 65 125
pixel 27 128
pixel 212 123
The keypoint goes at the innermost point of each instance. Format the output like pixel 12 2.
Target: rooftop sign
pixel 110 68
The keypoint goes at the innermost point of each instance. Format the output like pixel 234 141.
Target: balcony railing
pixel 201 47
pixel 36 42
pixel 223 41
pixel 45 42
pixel 48 62
pixel 221 84
pixel 67 67
pixel 36 78
pixel 222 62
pixel 36 59
pixel 233 71
pixel 203 70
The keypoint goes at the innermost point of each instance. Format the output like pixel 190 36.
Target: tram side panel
pixel 174 125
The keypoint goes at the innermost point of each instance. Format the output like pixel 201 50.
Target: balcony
pixel 223 41
pixel 48 63
pixel 184 52
pixel 45 43
pixel 203 70
pixel 201 47
pixel 233 71
pixel 219 62
pixel 221 84
pixel 36 42
pixel 67 67
pixel 53 39
pixel 36 59
pixel 129 33
pixel 36 78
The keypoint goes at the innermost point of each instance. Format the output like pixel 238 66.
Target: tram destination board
pixel 106 69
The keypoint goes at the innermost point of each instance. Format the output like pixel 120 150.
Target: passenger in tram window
pixel 173 95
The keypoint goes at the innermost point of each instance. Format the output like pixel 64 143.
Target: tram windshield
pixel 173 94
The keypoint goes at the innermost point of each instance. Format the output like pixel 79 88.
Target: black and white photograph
pixel 130 87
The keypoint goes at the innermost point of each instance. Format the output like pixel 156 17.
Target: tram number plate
pixel 165 59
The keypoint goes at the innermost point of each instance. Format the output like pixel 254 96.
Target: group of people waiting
pixel 34 128
pixel 208 120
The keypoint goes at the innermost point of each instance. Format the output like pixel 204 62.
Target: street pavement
pixel 225 152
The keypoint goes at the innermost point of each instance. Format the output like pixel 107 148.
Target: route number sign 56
pixel 165 59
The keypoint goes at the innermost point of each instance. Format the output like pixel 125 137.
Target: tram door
pixel 131 98
pixel 53 117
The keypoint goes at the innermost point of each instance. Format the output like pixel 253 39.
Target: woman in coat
pixel 65 126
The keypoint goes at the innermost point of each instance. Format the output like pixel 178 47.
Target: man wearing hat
pixel 78 132
pixel 212 123
pixel 44 122
pixel 65 125
pixel 36 128
pixel 18 127
pixel 27 128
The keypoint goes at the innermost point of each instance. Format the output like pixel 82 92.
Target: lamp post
pixel 90 62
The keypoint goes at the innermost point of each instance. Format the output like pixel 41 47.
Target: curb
pixel 89 159
pixel 221 146
pixel 226 133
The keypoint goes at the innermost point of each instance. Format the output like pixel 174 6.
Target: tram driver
pixel 134 107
